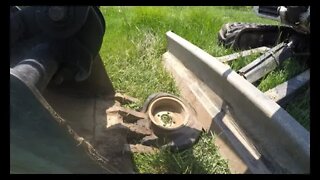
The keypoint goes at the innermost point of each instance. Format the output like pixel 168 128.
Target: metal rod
pixel 267 62
pixel 242 54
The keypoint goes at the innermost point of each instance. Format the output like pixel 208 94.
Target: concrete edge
pixel 253 111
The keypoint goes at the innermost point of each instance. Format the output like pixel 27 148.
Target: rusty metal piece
pixel 141 127
pixel 168 113
pixel 184 130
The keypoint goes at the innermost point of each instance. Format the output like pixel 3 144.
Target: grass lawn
pixel 203 158
pixel 133 45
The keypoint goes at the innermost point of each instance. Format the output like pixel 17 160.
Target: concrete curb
pixel 269 134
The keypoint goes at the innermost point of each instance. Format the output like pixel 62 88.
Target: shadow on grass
pixel 201 158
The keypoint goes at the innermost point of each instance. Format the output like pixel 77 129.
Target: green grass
pixel 135 40
pixel 203 158
pixel 132 48
pixel 289 69
pixel 300 108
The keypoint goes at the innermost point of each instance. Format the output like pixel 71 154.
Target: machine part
pixel 270 12
pixel 287 90
pixel 234 56
pixel 54 125
pixel 39 67
pixel 145 132
pixel 61 21
pixel 35 73
pixel 248 35
pixel 16 25
pixel 77 31
pixel 167 113
pixel 243 36
pixel 267 62
pixel 298 17
pixel 172 120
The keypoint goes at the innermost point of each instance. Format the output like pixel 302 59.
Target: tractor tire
pixel 229 32
pixel 244 36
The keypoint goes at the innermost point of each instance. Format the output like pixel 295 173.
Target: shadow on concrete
pixel 264 164
pixel 63 130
